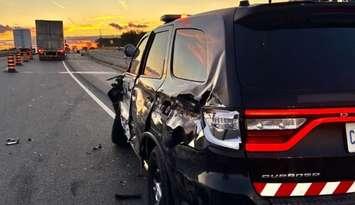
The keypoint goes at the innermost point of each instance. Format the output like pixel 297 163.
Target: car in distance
pixel 246 105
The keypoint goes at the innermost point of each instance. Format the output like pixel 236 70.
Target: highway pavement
pixel 3 62
pixel 60 113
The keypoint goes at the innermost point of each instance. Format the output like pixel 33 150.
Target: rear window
pixel 297 52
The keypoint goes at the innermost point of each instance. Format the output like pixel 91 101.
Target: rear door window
pixel 190 53
pixel 156 59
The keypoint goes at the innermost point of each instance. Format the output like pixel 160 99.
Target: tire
pixel 117 136
pixel 158 180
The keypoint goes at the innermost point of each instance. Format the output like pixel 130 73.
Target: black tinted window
pixel 310 59
pixel 156 58
pixel 137 61
pixel 189 60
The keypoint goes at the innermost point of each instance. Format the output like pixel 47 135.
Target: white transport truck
pixel 22 39
pixel 50 40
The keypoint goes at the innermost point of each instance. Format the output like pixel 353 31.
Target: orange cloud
pixel 129 26
pixel 4 29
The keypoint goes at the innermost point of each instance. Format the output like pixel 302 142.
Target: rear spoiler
pixel 285 7
pixel 290 14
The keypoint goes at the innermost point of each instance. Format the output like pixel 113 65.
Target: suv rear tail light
pixel 272 130
pixel 278 130
pixel 275 124
pixel 222 128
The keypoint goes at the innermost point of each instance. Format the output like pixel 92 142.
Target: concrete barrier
pixel 112 57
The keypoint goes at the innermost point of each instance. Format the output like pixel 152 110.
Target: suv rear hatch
pixel 296 65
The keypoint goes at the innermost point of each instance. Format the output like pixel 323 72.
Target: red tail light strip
pixel 309 112
pixel 319 116
pixel 304 189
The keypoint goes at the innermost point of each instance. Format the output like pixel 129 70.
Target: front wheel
pixel 158 181
pixel 117 136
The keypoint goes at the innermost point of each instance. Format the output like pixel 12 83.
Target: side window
pixel 156 58
pixel 137 61
pixel 190 55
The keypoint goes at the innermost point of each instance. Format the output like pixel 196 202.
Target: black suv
pixel 246 105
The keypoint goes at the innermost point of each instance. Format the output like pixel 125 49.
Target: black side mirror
pixel 130 51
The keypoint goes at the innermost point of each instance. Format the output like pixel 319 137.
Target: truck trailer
pixel 50 40
pixel 22 39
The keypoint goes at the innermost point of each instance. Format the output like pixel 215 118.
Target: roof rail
pixel 246 2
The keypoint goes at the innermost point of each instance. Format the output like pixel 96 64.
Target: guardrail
pixel 112 57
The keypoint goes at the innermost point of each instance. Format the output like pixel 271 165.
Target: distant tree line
pixel 129 37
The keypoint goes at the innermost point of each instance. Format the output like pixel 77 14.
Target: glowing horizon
pixel 94 18
pixel 89 17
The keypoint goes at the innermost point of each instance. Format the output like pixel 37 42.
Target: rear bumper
pixel 215 197
pixel 208 178
pixel 52 55
pixel 218 188
pixel 323 200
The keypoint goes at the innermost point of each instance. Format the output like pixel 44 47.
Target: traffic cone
pixel 11 63
pixel 19 60
pixel 30 54
pixel 25 57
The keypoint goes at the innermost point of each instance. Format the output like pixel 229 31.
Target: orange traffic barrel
pixel 25 56
pixel 30 54
pixel 11 63
pixel 19 60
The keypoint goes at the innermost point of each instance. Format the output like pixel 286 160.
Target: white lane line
pixel 96 99
pixel 77 72
pixel 89 72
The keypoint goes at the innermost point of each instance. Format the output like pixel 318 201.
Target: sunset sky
pixel 90 17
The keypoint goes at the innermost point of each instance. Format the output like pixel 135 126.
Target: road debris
pixel 11 141
pixel 123 182
pixel 98 147
pixel 29 139
pixel 127 196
